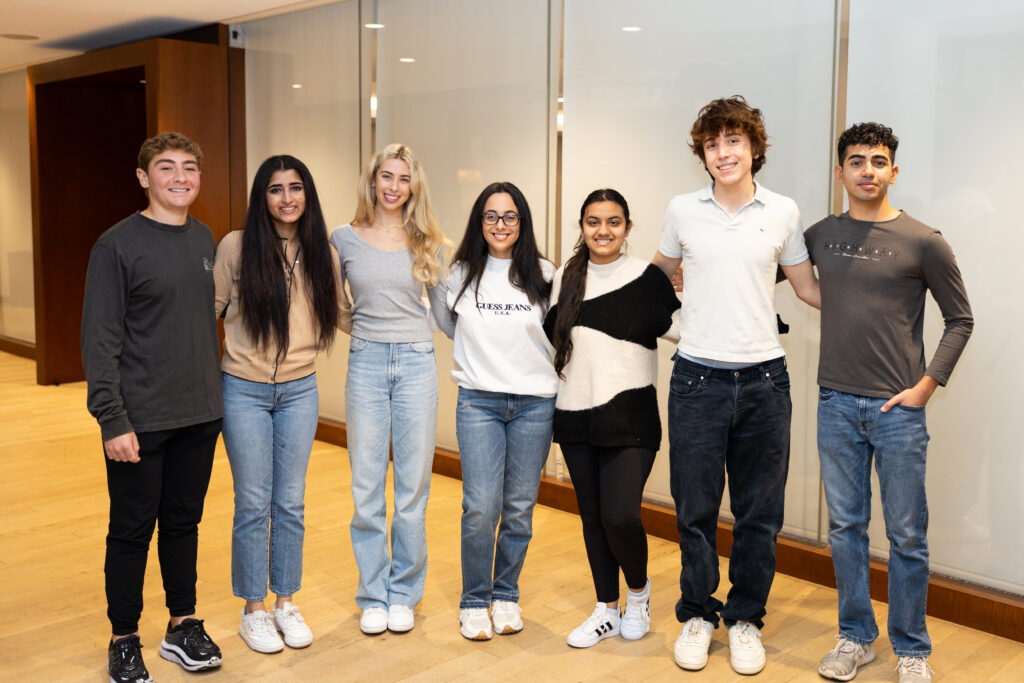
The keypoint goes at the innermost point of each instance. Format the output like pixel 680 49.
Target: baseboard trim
pixel 964 603
pixel 17 347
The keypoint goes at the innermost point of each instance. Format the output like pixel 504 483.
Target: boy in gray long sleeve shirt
pixel 875 265
pixel 151 357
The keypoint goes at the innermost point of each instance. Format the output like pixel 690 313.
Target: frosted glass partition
pixel 17 305
pixel 630 99
pixel 318 122
pixel 473 105
pixel 945 76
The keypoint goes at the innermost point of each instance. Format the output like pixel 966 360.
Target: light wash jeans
pixel 390 397
pixel 268 434
pixel 504 441
pixel 852 429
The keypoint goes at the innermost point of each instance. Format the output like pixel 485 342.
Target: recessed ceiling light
pixel 296 85
pixel 18 36
pixel 374 26
pixel 406 60
pixel 631 29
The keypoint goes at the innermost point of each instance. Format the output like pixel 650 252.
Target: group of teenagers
pixel 540 354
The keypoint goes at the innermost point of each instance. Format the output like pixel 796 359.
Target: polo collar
pixel 707 193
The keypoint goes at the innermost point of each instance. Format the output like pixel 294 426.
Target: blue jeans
pixel 734 421
pixel 390 398
pixel 504 441
pixel 852 429
pixel 268 434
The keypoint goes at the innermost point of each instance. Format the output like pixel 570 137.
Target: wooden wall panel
pixel 86 123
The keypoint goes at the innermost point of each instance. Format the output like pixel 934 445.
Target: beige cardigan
pixel 241 357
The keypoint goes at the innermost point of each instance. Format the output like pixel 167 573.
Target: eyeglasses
pixel 492 218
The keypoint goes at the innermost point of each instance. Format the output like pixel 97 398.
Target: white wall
pixel 942 73
pixel 630 99
pixel 473 106
pixel 17 305
pixel 946 77
pixel 317 123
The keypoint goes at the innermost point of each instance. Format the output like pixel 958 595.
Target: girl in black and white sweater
pixel 608 310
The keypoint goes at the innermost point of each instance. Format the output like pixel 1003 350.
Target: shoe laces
pixel 290 615
pixel 634 611
pixel 195 632
pixel 128 648
pixel 746 632
pixel 600 616
pixel 474 612
pixel 260 624
pixel 845 645
pixel 913 665
pixel 505 607
pixel 693 630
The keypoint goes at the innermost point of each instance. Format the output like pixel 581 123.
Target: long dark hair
pixel 263 286
pixel 525 273
pixel 574 282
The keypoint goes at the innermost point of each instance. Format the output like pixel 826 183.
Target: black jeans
pixel 609 485
pixel 168 483
pixel 734 421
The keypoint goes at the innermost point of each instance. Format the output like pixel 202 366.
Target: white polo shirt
pixel 729 266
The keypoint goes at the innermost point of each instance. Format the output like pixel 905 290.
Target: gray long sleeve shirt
pixel 874 277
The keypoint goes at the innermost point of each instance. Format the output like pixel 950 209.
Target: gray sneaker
pixel 842 662
pixel 914 670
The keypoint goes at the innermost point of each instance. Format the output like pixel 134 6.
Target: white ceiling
pixel 70 27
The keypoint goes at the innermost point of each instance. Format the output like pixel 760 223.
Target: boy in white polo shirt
pixel 729 405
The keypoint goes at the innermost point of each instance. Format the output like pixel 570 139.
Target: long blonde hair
pixel 427 243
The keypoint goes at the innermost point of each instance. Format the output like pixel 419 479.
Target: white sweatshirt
pixel 500 343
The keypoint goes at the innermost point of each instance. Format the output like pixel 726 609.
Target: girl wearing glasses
pixel 392 249
pixel 498 292
pixel 609 310
pixel 277 287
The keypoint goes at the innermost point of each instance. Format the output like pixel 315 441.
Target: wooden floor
pixel 53 512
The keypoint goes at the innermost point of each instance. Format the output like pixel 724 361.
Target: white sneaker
pixel 475 624
pixel 374 620
pixel 691 650
pixel 258 632
pixel 745 650
pixel 507 617
pixel 636 618
pixel 400 618
pixel 842 661
pixel 914 670
pixel 292 626
pixel 603 623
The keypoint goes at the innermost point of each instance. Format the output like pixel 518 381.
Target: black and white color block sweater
pixel 608 397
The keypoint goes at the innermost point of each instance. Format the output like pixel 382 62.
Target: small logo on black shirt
pixel 207 265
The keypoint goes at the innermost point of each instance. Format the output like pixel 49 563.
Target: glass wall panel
pixel 630 99
pixel 473 105
pixel 302 98
pixel 17 305
pixel 945 76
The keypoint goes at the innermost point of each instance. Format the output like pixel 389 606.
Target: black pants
pixel 609 485
pixel 168 483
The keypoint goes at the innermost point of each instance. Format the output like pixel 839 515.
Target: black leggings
pixel 167 484
pixel 609 485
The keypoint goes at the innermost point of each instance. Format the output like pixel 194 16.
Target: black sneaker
pixel 124 661
pixel 188 645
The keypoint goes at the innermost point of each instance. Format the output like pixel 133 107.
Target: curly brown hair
pixel 728 114
pixel 165 141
